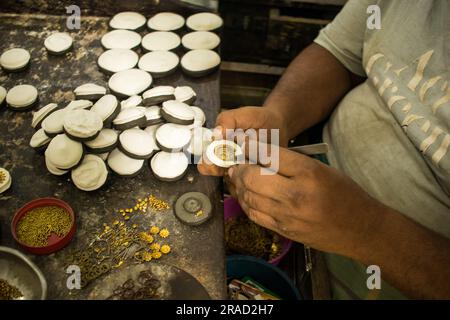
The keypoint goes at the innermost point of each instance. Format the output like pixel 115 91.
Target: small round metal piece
pixel 193 208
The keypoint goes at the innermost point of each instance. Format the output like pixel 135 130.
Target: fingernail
pixel 230 172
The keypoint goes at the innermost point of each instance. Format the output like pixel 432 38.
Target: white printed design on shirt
pixel 416 110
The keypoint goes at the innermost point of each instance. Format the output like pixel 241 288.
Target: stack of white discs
pixel 91 134
pixel 159 124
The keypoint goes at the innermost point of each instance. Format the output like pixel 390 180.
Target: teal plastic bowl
pixel 268 275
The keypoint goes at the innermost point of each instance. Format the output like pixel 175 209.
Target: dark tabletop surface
pixel 197 250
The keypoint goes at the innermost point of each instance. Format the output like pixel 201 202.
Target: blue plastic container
pixel 270 276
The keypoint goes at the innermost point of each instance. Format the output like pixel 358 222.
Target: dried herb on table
pixel 246 237
pixel 8 291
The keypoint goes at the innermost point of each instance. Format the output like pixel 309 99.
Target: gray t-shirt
pixel 391 133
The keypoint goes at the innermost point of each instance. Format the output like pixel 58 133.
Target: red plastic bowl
pixel 55 243
pixel 232 209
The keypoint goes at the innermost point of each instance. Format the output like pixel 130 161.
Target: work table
pixel 197 250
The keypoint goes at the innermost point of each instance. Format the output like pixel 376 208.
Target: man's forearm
pixel 309 89
pixel 412 258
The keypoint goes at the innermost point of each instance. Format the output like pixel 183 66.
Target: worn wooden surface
pixel 197 250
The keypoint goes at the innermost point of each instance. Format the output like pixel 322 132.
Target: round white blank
pixel 121 39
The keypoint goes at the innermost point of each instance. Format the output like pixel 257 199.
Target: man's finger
pixel 261 203
pixel 210 169
pixel 277 159
pixel 231 187
pixel 263 219
pixel 250 177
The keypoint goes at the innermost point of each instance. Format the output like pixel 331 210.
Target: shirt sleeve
pixel 344 36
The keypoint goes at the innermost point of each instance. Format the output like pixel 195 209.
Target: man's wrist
pixel 372 240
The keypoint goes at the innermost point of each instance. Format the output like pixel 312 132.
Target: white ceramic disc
pixel 201 138
pixel 184 93
pixel 159 91
pixel 124 165
pixel 3 93
pixel 54 123
pixel 132 101
pixel 166 21
pixel 199 117
pixel 127 20
pixel 63 152
pixel 82 123
pixel 158 62
pixel 169 165
pixel 106 138
pixel 42 113
pixel 152 131
pixel 130 82
pixel 121 39
pixel 197 61
pixel 5 180
pixel 158 95
pixel 39 139
pixel 53 169
pixel 58 42
pixel 21 96
pixel 14 59
pixel 115 60
pixel 128 115
pixel 160 40
pixel 105 106
pixel 153 113
pixel 173 136
pixel 200 40
pixel 204 21
pixel 178 110
pixel 79 104
pixel 89 89
pixel 91 174
pixel 137 142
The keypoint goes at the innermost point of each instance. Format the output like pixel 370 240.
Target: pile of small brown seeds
pixel 8 291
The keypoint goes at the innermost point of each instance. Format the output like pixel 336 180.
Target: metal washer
pixel 193 208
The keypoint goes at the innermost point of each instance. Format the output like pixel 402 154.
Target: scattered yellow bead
pixel 164 233
pixel 154 230
pixel 134 226
pixel 146 256
pixel 116 222
pixel 146 237
pixel 165 249
pixel 127 218
pixel 155 247
pixel 199 213
pixel 156 255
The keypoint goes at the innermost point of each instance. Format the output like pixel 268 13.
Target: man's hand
pixel 308 202
pixel 244 118
pixel 312 203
